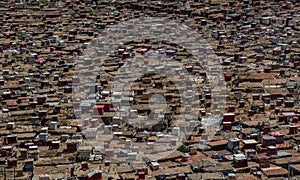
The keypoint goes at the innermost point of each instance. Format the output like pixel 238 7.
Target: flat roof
pixel 250 141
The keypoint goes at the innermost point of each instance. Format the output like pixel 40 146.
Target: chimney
pixel 185 157
pixel 94 122
pixel 84 165
pixel 193 151
pixel 227 126
pixel 281 118
pixel 293 130
pixel 126 55
pixel 12 138
pixel 295 119
pixel 267 129
pixel 64 137
pixel 10 126
pixel 141 175
pixel 41 99
pixel 6 95
pixel 34 154
pixel 12 162
pixel 72 172
pixel 53 125
pixel 181 176
pixel 24 153
pixel 227 76
pixel 107 163
pixel 55 144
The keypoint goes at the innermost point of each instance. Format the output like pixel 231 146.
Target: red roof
pixel 276 134
pixel 98 106
pixel 39 60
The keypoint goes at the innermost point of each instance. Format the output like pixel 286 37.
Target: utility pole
pixel 14 172
pixel 4 173
pixel 289 171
